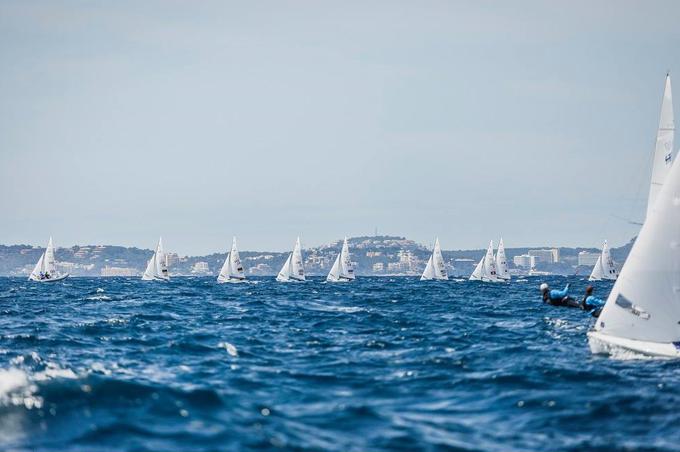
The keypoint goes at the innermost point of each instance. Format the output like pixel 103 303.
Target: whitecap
pixel 231 349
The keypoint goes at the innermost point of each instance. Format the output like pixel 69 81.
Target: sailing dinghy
pixel 157 267
pixel 293 269
pixel 435 268
pixel 232 269
pixel 45 269
pixel 604 267
pixel 642 313
pixel 342 270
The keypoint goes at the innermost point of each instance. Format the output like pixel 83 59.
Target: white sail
pixel 39 269
pixel 342 269
pixel 502 262
pixel 336 270
pixel 643 308
pixel 490 273
pixel 232 269
pixel 45 269
pixel 664 154
pixel 157 268
pixel 597 273
pixel 284 273
pixel 293 269
pixel 346 262
pixel 478 273
pixel 428 273
pixel 436 268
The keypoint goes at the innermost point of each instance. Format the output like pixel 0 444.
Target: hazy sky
pixel 121 121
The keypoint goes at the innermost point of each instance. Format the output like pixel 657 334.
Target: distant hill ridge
pixel 368 252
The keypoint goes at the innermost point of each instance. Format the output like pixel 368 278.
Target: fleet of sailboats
pixel 293 269
pixel 342 270
pixel 486 270
pixel 232 269
pixel 157 267
pixel 435 268
pixel 604 267
pixel 45 269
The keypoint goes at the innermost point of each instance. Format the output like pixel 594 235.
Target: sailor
pixel 558 297
pixel 591 303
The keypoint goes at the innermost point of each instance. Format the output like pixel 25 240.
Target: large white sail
pixel 293 269
pixel 643 308
pixel 45 269
pixel 232 269
pixel 490 273
pixel 436 268
pixel 156 268
pixel 342 269
pixel 478 273
pixel 664 154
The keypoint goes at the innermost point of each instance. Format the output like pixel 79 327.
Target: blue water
pixel 380 364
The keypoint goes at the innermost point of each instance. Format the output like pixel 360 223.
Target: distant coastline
pixel 373 255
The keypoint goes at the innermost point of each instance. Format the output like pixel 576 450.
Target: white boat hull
pixel 605 344
pixel 230 280
pixel 57 279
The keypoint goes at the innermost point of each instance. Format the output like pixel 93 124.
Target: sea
pixel 380 364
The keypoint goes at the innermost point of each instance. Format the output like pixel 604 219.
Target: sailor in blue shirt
pixel 558 297
pixel 591 302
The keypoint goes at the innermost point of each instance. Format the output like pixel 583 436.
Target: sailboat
pixel 45 269
pixel 232 269
pixel 342 269
pixel 664 154
pixel 643 308
pixel 502 262
pixel 157 267
pixel 486 268
pixel 604 267
pixel 292 269
pixel 435 268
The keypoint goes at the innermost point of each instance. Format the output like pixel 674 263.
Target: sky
pixel 535 121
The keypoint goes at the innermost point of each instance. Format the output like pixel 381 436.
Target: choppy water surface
pixel 380 364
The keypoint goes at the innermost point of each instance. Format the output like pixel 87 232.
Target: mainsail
pixel 490 273
pixel 435 268
pixel 342 269
pixel 293 270
pixel 232 269
pixel 157 268
pixel 502 262
pixel 642 312
pixel 664 154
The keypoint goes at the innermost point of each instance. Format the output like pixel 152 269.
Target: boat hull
pixel 51 280
pixel 230 280
pixel 605 344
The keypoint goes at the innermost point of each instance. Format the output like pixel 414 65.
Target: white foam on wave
pixel 98 298
pixel 230 348
pixel 16 389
